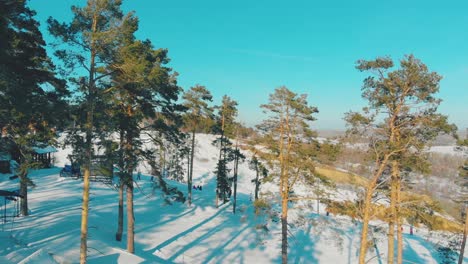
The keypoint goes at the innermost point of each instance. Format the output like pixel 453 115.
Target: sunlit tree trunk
pixel 465 232
pixel 284 228
pixel 88 151
pixel 392 217
pixel 399 220
pixel 366 210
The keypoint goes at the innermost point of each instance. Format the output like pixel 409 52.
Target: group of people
pixel 197 187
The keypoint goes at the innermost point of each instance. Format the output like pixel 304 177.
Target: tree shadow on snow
pixel 301 246
pixel 187 231
pixel 411 255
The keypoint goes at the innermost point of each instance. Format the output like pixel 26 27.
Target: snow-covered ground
pixel 175 233
pixel 450 150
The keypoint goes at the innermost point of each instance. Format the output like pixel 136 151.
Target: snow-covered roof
pixel 47 149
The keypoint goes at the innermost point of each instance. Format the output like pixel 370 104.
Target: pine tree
pixel 142 88
pixel 238 157
pixel 196 101
pixel 90 42
pixel 29 90
pixel 261 172
pixel 404 100
pixel 287 135
pixel 225 126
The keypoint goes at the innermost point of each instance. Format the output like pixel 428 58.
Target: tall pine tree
pixel 401 118
pixel 142 88
pixel 29 90
pixel 196 101
pixel 89 42
pixel 287 135
pixel 225 126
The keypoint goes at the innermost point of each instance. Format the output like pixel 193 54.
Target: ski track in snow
pixel 176 233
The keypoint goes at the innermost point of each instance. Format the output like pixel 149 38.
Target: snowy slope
pixel 176 233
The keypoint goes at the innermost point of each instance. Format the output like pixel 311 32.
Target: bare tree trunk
pixel 86 187
pixel 399 220
pixel 236 167
pixel 217 176
pixel 256 182
pixel 190 176
pixel 84 216
pixel 24 194
pixel 366 210
pixel 188 168
pixel 365 224
pixel 284 228
pixel 392 217
pixel 130 216
pixel 400 241
pixel 129 183
pixel 465 232
pixel 118 235
pixel 89 149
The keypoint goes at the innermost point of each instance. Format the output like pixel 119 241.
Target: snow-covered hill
pixel 171 232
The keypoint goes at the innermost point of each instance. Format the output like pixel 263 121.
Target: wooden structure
pixel 9 151
pixel 10 204
pixel 43 156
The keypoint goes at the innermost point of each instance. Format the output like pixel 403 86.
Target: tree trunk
pixel 129 183
pixel 392 217
pixel 465 232
pixel 256 182
pixel 399 241
pixel 236 167
pixel 84 216
pixel 366 209
pixel 284 228
pixel 88 149
pixel 365 225
pixel 220 157
pixel 24 193
pixel 86 187
pixel 391 241
pixel 130 216
pixel 399 220
pixel 188 168
pixel 190 176
pixel 118 235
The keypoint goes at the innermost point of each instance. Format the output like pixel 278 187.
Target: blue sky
pixel 245 49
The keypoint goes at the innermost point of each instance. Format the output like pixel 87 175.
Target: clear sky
pixel 246 48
